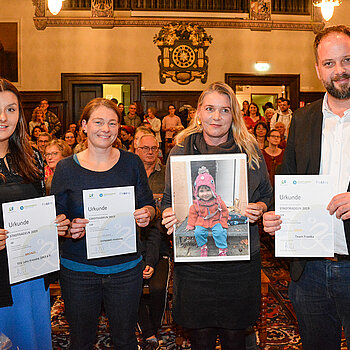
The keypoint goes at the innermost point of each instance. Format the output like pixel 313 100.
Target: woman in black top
pixel 25 306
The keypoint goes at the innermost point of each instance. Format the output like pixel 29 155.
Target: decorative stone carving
pixel 102 8
pixel 39 8
pixel 183 47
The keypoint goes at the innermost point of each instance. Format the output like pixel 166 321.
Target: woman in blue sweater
pixel 115 280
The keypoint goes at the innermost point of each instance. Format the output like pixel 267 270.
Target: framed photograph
pixel 9 51
pixel 210 195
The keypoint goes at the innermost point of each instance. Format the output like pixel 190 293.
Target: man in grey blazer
pixel 319 143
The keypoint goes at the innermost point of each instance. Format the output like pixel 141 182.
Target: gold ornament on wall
pixel 183 47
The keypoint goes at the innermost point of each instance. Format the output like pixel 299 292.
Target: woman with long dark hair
pixel 25 306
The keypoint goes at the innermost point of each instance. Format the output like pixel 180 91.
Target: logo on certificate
pixel 11 209
pixel 91 195
pixel 21 207
pixel 101 195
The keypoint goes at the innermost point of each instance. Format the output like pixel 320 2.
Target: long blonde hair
pixel 244 140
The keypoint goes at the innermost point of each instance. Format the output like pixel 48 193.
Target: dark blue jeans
pixel 83 293
pixel 321 300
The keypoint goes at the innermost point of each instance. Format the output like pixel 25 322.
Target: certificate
pixel 111 229
pixel 307 229
pixel 32 243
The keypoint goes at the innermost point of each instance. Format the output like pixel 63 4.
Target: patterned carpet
pixel 282 329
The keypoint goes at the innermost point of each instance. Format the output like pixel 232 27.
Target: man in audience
pixel 170 125
pixel 51 118
pixel 319 143
pixel 284 114
pixel 43 140
pixel 132 119
pixel 155 249
pixel 280 127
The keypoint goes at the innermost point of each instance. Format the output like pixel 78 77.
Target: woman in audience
pixel 116 280
pixel 269 112
pixel 69 137
pixel 24 306
pixel 126 137
pixel 35 134
pixel 122 112
pixel 220 298
pixel 38 120
pixel 245 108
pixel 253 117
pixel 54 152
pixel 273 154
pixel 260 132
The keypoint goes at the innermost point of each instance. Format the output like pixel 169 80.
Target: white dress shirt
pixel 335 161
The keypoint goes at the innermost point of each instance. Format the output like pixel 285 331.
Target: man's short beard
pixel 342 93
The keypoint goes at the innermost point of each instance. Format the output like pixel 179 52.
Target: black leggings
pixel 205 338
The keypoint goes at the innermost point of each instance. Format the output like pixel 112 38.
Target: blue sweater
pixel 70 179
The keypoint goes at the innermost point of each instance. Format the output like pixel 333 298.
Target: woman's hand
pixel 77 228
pixel 62 224
pixel 272 222
pixel 3 236
pixel 254 211
pixel 169 220
pixel 148 272
pixel 144 215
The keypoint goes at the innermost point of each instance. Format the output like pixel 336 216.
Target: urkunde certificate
pixel 306 229
pixel 32 243
pixel 111 229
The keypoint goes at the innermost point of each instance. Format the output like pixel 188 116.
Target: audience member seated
pixel 269 112
pixel 273 154
pixel 127 136
pixel 43 140
pixel 54 152
pixel 132 119
pixel 38 120
pixel 72 127
pixel 69 137
pixel 260 132
pixel 253 117
pixel 122 112
pixel 191 114
pixel 279 126
pixel 170 125
pixel 284 115
pixel 51 118
pixel 245 108
pixel 153 123
pixel 155 250
pixel 36 131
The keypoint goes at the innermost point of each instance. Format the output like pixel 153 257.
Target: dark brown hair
pixel 21 152
pixel 334 29
pixel 95 103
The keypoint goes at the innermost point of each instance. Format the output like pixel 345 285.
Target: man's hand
pixel 340 205
pixel 272 222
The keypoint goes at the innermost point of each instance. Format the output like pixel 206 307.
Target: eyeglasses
pixel 51 154
pixel 146 149
pixel 43 141
pixel 69 137
pixel 275 136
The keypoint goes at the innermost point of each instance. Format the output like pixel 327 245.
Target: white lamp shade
pixel 55 6
pixel 327 10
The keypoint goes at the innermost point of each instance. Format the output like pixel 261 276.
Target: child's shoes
pixel 223 252
pixel 204 250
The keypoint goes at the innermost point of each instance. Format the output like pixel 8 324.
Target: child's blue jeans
pixel 219 235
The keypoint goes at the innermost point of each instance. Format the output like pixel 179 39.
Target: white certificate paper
pixel 32 243
pixel 307 229
pixel 111 229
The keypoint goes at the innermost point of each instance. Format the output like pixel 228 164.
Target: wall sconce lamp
pixel 262 66
pixel 327 7
pixel 54 6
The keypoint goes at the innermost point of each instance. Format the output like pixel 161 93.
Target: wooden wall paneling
pixel 311 96
pixel 291 81
pixel 161 99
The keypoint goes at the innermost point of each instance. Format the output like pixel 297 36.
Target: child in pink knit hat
pixel 208 212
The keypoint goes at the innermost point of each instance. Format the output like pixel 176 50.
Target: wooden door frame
pixel 291 80
pixel 70 79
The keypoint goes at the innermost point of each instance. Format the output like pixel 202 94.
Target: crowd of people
pixel 111 148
